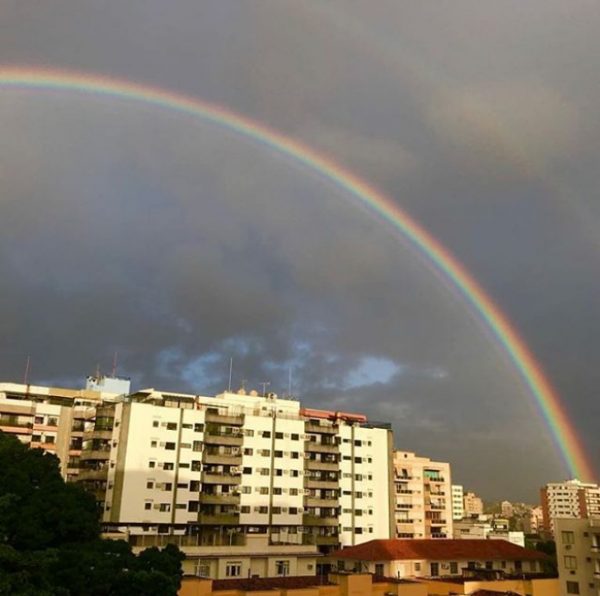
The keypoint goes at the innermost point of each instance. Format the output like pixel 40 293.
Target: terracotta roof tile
pixel 437 550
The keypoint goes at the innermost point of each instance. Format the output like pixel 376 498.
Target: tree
pixel 50 541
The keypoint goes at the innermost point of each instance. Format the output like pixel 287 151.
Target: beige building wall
pixel 423 497
pixel 578 555
pixel 473 505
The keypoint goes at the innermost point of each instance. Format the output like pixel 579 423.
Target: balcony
pixel 223 439
pixel 320 540
pixel 436 479
pixel 315 447
pixel 231 539
pixel 317 483
pixel 312 427
pixel 101 454
pixel 104 434
pixel 436 522
pixel 317 520
pixel 230 419
pixel 318 502
pixel 404 492
pixel 91 474
pixel 223 458
pixel 313 464
pixel 437 507
pixel 219 519
pixel 208 478
pixel 220 499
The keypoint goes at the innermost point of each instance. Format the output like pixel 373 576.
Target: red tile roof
pixel 437 550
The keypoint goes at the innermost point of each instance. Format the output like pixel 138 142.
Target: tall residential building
pixel 578 555
pixel 458 507
pixel 219 469
pixel 570 499
pixel 56 419
pixel 473 505
pixel 423 500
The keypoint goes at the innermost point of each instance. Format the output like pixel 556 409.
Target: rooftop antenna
pixel 27 367
pixel 230 372
pixel 265 384
pixel 114 366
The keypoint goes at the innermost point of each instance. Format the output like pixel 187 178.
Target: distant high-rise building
pixel 423 497
pixel 458 507
pixel 569 499
pixel 473 505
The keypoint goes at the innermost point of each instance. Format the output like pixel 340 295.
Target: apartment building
pixel 458 507
pixel 215 470
pixel 423 499
pixel 578 555
pixel 57 419
pixel 473 505
pixel 487 528
pixel 570 499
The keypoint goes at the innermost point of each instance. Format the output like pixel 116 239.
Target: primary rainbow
pixel 549 405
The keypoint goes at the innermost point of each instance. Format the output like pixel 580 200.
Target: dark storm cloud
pixel 179 246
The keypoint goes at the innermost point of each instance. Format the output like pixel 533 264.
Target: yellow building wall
pixel 535 587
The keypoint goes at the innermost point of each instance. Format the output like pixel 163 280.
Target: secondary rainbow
pixel 546 398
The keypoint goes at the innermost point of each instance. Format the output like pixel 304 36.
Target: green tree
pixel 50 541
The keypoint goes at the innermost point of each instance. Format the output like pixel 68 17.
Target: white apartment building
pixel 217 470
pixel 578 555
pixel 423 499
pixel 570 499
pixel 458 508
pixel 484 528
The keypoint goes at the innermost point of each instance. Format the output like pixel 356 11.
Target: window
pixel 171 426
pixel 277 491
pixel 170 446
pixel 417 566
pixel 198 427
pixel 263 509
pixel 167 486
pixel 379 569
pixel 39 420
pixel 150 484
pixel 434 569
pixel 151 464
pixel 147 506
pixel 279 435
pixel 489 565
pixel 295 437
pixel 264 490
pixel 165 507
pixel 246 490
pixel 293 492
pixel 293 510
pixel 265 452
pixel 248 451
pixel 282 567
pixel 278 453
pixel 187 426
pixel 247 471
pixel 195 486
pixel 197 446
pixel 155 423
pixel 50 439
pixel 196 465
pixel 572 587
pixel 278 472
pixel 233 569
pixel 245 509
pixel 266 434
pixel 193 506
pixel 453 568
pixel 568 538
pixel 168 465
pixel 570 562
pixel 153 443
pixel 276 510
pixel 294 473
pixel 294 455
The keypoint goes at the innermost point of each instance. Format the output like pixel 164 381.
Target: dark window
pixel 266 434
pixel 572 587
pixel 247 471
pixel 279 435
pixel 434 569
pixel 453 568
pixel 379 569
pixel 295 437
pixel 198 427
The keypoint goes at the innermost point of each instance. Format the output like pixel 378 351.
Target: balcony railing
pixel 223 458
pixel 318 502
pixel 313 464
pixel 223 439
pixel 312 427
pixel 208 478
pixel 101 454
pixel 220 499
pixel 320 483
pixel 233 420
pixel 317 520
pixel 219 519
pixel 315 447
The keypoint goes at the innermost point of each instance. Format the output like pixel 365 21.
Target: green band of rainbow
pixel 561 429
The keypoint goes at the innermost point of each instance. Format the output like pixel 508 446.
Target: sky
pixel 179 244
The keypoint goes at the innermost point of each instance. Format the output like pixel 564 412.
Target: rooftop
pixel 437 550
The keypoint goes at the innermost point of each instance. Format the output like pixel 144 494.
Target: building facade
pixel 571 499
pixel 216 471
pixel 423 499
pixel 578 555
pixel 473 505
pixel 458 506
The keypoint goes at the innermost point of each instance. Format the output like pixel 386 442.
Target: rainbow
pixel 561 429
